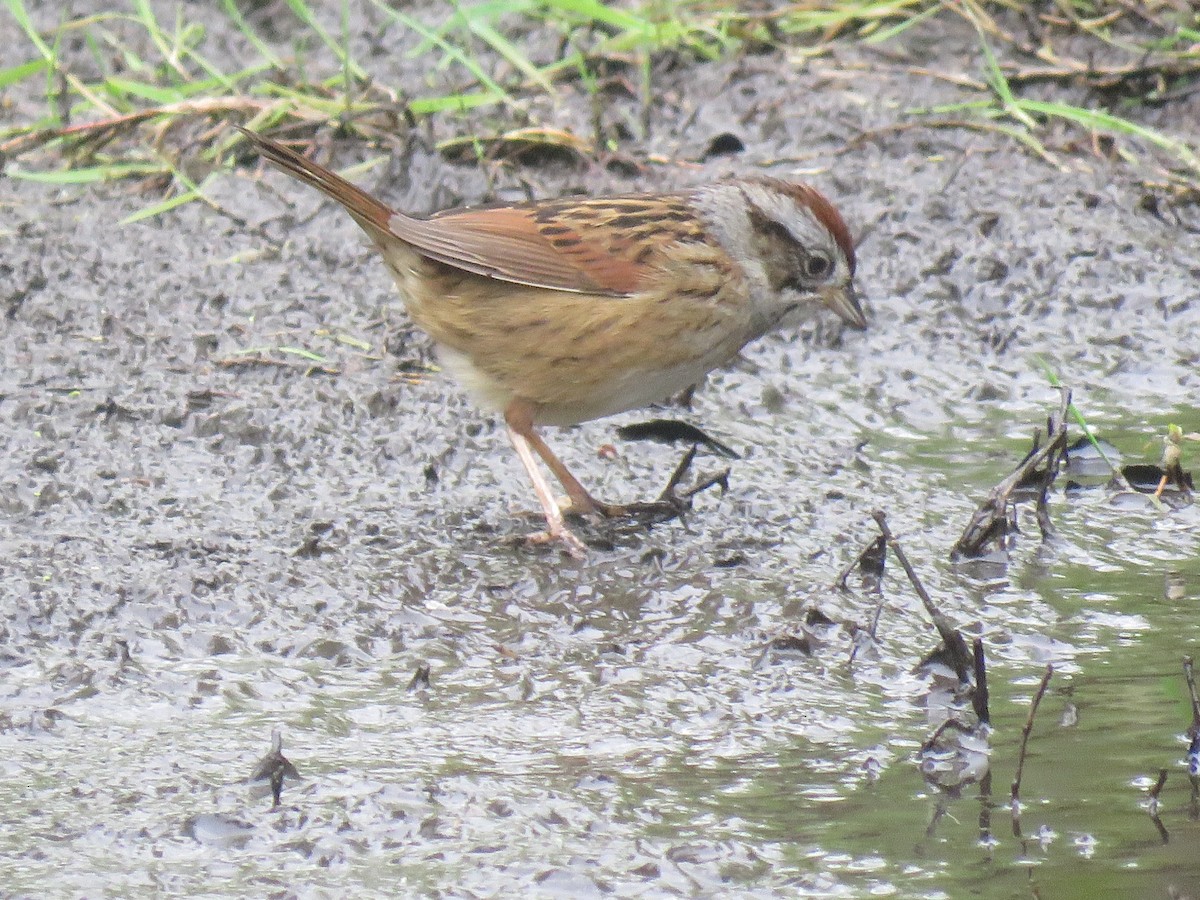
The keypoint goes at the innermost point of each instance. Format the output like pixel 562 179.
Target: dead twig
pixel 1158 785
pixel 1152 807
pixel 308 368
pixel 979 697
pixel 1190 674
pixel 1193 731
pixel 991 520
pixel 985 809
pixel 420 679
pixel 951 638
pixel 1025 732
pixel 274 768
pixel 1107 77
pixel 104 130
pixel 979 125
pixel 869 563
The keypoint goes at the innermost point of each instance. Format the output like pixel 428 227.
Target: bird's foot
pixel 563 536
pixel 673 503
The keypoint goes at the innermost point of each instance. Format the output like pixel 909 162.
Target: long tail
pixel 368 212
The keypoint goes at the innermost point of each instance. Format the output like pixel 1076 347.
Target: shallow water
pixel 197 554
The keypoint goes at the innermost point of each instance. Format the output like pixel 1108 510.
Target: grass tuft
pixel 146 91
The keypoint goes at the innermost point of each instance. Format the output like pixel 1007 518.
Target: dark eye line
pixel 765 225
pixel 814 265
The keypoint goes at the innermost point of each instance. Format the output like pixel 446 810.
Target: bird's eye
pixel 817 265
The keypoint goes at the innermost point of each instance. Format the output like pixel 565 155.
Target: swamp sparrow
pixel 560 311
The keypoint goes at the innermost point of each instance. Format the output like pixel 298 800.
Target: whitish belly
pixel 631 390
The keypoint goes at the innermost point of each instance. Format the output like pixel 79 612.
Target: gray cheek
pixel 723 209
pixel 805 309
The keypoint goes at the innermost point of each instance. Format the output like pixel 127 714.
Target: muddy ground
pixel 199 547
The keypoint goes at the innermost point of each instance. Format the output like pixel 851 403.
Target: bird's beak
pixel 844 301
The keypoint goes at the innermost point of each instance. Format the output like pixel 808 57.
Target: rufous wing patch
pixel 603 246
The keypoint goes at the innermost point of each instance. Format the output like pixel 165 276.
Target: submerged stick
pixel 1158 785
pixel 950 635
pixel 979 697
pixel 870 563
pixel 1152 807
pixel 1193 731
pixel 1025 732
pixel 1190 674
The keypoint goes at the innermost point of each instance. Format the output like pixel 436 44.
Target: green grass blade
pixel 17 9
pixel 347 81
pixel 999 84
pixel 145 17
pixel 1104 121
pixel 507 49
pixel 174 50
pixel 165 206
pixel 1082 423
pixel 456 53
pixel 426 106
pixel 21 72
pixel 90 174
pixel 50 55
pixel 594 11
pixel 123 88
pixel 308 104
pixel 305 15
pixel 303 353
pixel 209 86
pixel 486 12
pixel 886 34
pixel 239 21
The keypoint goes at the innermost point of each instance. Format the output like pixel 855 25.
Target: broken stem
pixel 1025 732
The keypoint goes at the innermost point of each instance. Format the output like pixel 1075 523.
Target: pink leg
pixel 581 500
pixel 518 418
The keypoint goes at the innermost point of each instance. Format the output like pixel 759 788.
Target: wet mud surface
pixel 199 547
